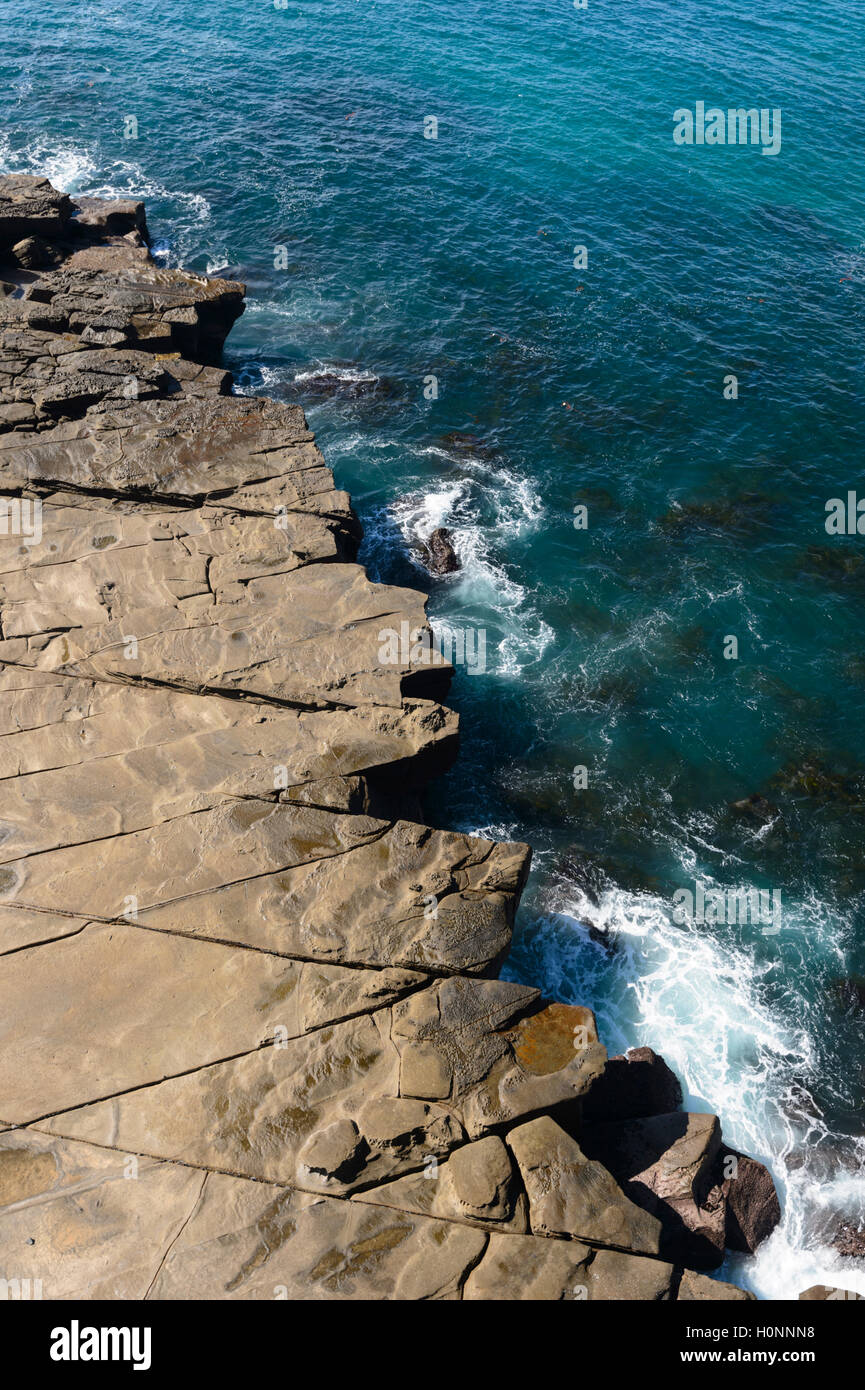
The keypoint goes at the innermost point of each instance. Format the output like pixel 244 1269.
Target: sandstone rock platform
pixel 254 1041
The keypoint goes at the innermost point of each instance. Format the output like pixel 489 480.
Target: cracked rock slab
pixel 252 454
pixel 476 1185
pixel 526 1268
pixel 309 639
pixel 165 754
pixel 570 1195
pixel 465 1038
pixel 324 1112
pixel 116 1007
pixel 87 1223
pixel 57 723
pixel 266 875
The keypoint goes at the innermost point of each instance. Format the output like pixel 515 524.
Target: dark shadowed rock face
pixel 34 253
pixel 633 1086
pixel 438 553
pixel 30 207
pixel 666 1164
pixel 706 1196
pixel 279 1003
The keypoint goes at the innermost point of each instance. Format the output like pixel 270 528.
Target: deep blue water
pixel 295 137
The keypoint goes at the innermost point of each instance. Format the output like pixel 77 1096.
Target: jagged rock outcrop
pixel 438 552
pixel 255 1045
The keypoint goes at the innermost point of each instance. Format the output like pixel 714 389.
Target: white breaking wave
pixel 70 168
pixel 325 369
pixel 80 169
pixel 482 581
pixel 699 998
pixel 265 379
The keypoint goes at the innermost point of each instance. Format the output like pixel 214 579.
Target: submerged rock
pixel 346 381
pixel 835 563
pixel 754 808
pixel 463 442
pixel 850 994
pixel 813 779
pixel 746 511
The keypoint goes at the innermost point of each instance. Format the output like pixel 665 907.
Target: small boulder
pixel 439 554
pixel 480 1176
pixel 754 808
pixel 476 1185
pixel 753 1209
pixel 32 253
pixel 849 1240
pixel 334 1155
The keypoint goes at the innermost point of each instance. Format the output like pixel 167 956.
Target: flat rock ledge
pixel 254 1042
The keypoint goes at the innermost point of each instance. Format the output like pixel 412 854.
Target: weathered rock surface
pixel 478 1185
pixel 30 207
pixel 525 1268
pixel 254 1046
pixel 698 1288
pixel 570 1195
pixel 849 1240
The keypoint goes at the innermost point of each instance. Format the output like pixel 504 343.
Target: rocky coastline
pixel 255 1042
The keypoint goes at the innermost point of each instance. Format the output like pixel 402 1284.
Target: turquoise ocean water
pixel 286 146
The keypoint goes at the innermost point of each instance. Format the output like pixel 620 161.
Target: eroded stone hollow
pixel 254 1042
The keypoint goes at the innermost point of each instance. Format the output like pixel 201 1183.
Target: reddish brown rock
pixel 753 1209
pixel 667 1164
